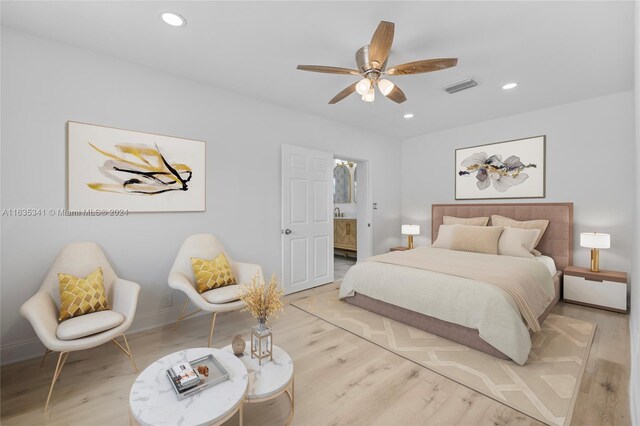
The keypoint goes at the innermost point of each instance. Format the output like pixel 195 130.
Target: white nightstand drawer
pixel 599 293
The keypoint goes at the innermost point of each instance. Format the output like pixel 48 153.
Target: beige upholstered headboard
pixel 557 241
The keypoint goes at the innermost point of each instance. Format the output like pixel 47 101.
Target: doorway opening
pixel 351 221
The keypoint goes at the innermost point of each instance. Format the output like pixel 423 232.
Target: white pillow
pixel 517 242
pixel 445 235
pixel 540 224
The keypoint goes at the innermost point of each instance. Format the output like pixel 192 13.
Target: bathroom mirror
pixel 341 184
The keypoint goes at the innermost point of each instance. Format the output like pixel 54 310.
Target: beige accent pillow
pixel 540 224
pixel 478 239
pixel 475 221
pixel 445 233
pixel 517 242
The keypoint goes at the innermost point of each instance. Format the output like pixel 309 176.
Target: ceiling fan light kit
pixel 371 61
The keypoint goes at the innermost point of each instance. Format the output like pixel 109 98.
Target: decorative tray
pixel 210 371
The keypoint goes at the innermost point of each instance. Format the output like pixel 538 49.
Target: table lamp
pixel 595 241
pixel 410 231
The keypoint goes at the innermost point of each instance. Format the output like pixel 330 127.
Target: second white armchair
pixel 222 299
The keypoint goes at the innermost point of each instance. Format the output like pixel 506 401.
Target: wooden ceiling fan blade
pixel 396 95
pixel 346 92
pixel 328 70
pixel 381 42
pixel 426 65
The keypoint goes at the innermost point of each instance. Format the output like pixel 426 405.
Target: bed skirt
pixel 454 332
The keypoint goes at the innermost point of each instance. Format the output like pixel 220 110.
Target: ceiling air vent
pixel 465 84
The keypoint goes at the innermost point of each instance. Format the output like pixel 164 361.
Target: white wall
pixel 44 84
pixel 587 163
pixel 635 289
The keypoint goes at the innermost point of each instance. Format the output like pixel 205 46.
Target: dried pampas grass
pixel 261 299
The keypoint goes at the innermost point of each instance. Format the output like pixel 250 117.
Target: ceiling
pixel 558 52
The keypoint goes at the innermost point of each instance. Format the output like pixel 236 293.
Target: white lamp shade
pixel 363 86
pixel 385 86
pixel 595 240
pixel 410 229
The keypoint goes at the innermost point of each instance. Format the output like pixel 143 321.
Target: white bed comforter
pixel 470 303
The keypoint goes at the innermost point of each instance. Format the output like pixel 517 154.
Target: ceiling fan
pixel 372 65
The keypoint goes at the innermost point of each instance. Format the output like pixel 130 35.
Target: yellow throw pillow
pixel 214 273
pixel 79 296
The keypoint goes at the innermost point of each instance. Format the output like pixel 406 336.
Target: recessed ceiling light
pixel 173 19
pixel 408 115
pixel 509 86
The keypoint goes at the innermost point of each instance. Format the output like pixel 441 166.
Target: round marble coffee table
pixel 269 380
pixel 153 401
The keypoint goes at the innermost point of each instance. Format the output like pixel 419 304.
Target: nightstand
pixel 603 289
pixel 399 248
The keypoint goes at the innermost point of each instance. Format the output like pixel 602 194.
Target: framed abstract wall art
pixel 109 168
pixel 511 169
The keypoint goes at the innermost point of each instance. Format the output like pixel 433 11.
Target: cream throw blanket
pixel 520 278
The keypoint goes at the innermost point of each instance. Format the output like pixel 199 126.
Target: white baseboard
pixel 32 347
pixel 21 350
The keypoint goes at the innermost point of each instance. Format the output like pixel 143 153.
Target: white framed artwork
pixel 511 169
pixel 109 168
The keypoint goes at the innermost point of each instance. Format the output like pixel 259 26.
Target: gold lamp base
pixel 595 260
pixel 410 241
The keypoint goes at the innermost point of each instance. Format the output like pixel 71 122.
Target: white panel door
pixel 307 218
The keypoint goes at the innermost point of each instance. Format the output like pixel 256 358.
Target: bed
pixel 470 312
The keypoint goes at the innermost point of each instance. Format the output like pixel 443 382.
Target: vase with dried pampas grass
pixel 263 300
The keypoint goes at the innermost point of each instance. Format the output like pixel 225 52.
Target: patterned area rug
pixel 545 388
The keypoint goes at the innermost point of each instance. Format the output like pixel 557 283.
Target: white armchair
pixel 89 330
pixel 223 299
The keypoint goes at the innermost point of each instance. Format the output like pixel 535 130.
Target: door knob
pixel 287 231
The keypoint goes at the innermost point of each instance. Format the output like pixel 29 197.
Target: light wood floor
pixel 341 379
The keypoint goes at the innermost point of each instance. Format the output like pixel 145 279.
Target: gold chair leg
pixel 44 357
pixel 213 324
pixel 61 360
pixel 126 351
pixel 181 316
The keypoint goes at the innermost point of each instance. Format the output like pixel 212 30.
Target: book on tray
pixel 194 376
pixel 184 376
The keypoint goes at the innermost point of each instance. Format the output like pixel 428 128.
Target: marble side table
pixel 269 380
pixel 153 401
